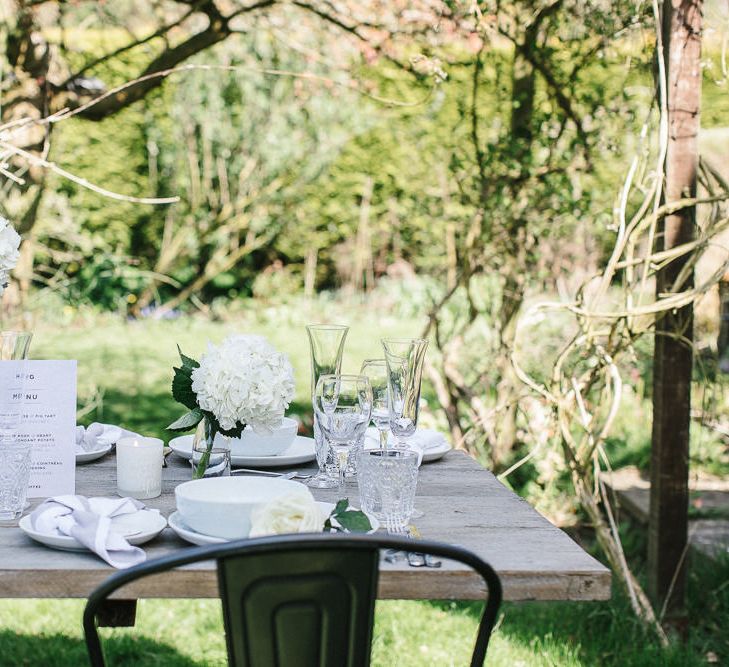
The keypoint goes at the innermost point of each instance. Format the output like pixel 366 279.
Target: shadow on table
pixel 59 650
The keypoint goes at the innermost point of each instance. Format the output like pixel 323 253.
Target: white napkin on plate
pixel 89 521
pixel 96 436
pixel 423 439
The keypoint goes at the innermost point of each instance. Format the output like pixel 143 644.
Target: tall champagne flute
pixel 343 405
pixel 326 342
pixel 405 358
pixel 376 371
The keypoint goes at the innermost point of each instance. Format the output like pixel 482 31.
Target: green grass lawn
pixel 407 634
pixel 129 364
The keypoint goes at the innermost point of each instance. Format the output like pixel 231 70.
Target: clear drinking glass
pixel 217 464
pixel 376 371
pixel 15 450
pixel 387 480
pixel 326 342
pixel 14 479
pixel 405 358
pixel 343 406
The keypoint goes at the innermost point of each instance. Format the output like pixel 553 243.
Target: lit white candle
pixel 139 467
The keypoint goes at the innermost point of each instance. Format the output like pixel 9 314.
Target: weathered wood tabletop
pixel 463 504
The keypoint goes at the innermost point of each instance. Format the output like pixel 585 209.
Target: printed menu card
pixel 48 423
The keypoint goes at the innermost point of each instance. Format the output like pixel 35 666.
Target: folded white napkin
pixel 96 436
pixel 89 521
pixel 423 438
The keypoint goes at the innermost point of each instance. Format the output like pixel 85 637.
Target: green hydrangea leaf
pixel 187 362
pixel 182 388
pixel 234 432
pixel 354 521
pixel 340 507
pixel 187 421
pixel 348 520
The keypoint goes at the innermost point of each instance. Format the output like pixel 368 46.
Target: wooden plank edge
pixel 393 585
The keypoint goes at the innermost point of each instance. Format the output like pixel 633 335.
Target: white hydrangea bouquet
pixel 242 382
pixel 9 251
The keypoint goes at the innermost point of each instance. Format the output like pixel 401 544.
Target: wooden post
pixel 722 343
pixel 673 356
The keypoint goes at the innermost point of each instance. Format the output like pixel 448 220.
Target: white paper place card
pixel 48 421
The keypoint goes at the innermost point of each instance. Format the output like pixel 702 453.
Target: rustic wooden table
pixel 463 504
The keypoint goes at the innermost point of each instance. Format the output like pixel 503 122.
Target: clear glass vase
pixel 326 342
pixel 210 452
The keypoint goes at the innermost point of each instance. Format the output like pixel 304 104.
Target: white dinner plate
pixel 184 531
pixel 137 528
pixel 177 523
pixel 302 450
pixel 436 453
pixel 87 457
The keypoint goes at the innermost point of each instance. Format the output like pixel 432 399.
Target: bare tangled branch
pixel 611 312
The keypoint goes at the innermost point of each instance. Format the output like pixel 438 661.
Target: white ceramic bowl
pixel 221 506
pixel 265 444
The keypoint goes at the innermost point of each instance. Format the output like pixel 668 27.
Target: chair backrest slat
pixel 298 600
pixel 310 608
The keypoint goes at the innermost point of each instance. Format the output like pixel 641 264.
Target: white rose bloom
pixel 291 513
pixel 244 380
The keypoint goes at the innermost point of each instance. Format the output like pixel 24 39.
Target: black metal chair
pixel 298 600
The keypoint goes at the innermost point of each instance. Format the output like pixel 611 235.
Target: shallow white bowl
pixel 251 443
pixel 222 506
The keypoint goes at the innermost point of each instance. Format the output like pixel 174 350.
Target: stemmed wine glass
pixel 326 342
pixel 376 371
pixel 343 406
pixel 405 358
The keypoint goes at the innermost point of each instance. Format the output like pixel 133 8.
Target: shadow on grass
pixel 57 650
pixel 608 633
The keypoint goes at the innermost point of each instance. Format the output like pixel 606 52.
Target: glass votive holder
pixel 387 480
pixel 213 462
pixel 139 467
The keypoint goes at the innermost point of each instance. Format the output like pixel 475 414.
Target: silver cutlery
pixel 267 473
pixel 428 559
pixel 414 558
